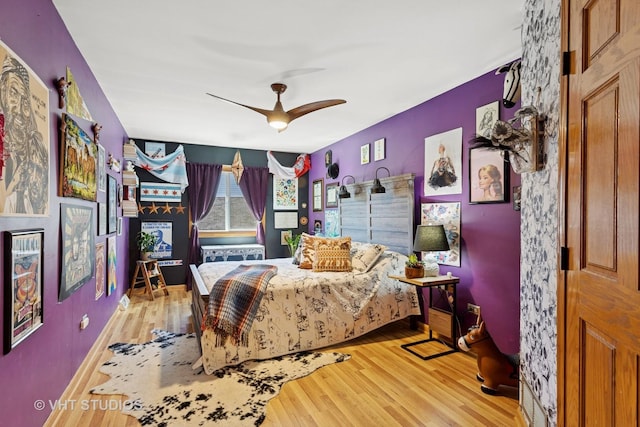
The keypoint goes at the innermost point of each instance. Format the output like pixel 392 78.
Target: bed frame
pixel 385 218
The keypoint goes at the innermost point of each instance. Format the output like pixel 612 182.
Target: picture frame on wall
pixel 447 214
pixel 102 218
pixel 486 117
pixel 163 230
pixel 285 194
pixel 317 195
pixel 488 176
pixel 79 162
pixel 364 154
pixel 443 163
pixel 378 149
pixel 100 269
pixel 78 248
pixel 332 195
pixel 23 306
pixel 112 205
pixel 102 169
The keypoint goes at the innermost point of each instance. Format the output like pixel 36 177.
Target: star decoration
pixel 166 208
pixel 179 209
pixel 153 208
pixel 141 208
pixel 237 168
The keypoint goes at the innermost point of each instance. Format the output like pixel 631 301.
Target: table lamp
pixel 430 238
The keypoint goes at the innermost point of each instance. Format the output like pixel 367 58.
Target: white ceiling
pixel 156 59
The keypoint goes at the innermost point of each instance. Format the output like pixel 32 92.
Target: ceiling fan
pixel 280 119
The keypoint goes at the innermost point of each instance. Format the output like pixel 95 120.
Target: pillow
pixel 305 260
pixel 332 254
pixel 365 256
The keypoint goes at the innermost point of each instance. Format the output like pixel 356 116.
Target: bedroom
pixel 28 30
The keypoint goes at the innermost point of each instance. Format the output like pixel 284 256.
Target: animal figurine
pixel 511 90
pixel 494 367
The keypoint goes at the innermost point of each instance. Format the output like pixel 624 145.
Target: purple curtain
pixel 203 180
pixel 253 185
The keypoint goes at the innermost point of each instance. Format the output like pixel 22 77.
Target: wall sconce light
pixel 377 187
pixel 430 238
pixel 344 193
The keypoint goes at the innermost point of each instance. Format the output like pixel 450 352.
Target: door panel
pixel 601 350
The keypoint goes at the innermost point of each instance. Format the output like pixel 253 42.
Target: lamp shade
pixel 344 193
pixel 430 238
pixel 377 186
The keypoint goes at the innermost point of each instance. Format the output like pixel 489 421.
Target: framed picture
pixel 364 154
pixel 486 116
pixel 23 285
pixel 79 162
pixel 112 265
pixel 102 168
pixel 119 227
pixel 112 205
pixel 447 214
pixel 100 269
pixel 328 156
pixel 102 219
pixel 25 142
pixel 163 230
pixel 317 226
pixel 443 163
pixel 317 195
pixel 78 248
pixel 285 194
pixel 378 149
pixel 332 195
pixel 488 176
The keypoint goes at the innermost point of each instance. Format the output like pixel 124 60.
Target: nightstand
pixel 441 321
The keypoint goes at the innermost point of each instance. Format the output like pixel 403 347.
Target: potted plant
pixel 146 244
pixel 413 267
pixel 292 242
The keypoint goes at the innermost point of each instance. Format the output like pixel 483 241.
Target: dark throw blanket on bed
pixel 234 300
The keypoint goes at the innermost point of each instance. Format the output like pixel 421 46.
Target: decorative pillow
pixel 332 254
pixel 365 256
pixel 307 251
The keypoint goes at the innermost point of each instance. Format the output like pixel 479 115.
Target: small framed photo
pixel 486 116
pixel 112 205
pixel 23 285
pixel 284 235
pixel 364 154
pixel 102 219
pixel 488 176
pixel 378 149
pixel 317 226
pixel 102 169
pixel 332 195
pixel 317 194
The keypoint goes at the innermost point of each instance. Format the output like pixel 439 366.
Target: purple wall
pixel 42 365
pixel 490 247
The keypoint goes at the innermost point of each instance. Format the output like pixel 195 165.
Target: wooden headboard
pixel 385 218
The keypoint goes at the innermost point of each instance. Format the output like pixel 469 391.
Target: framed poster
pixel 332 195
pixel 364 154
pixel 79 162
pixel 102 219
pixel 285 194
pixel 112 205
pixel 447 214
pixel 486 117
pixel 443 163
pixel 102 169
pixel 112 265
pixel 23 285
pixel 317 195
pixel 163 230
pixel 100 269
pixel 378 149
pixel 78 248
pixel 24 179
pixel 488 176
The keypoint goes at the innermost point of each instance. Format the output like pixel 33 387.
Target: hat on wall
pixel 333 171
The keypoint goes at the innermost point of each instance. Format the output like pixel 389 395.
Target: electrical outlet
pixel 472 308
pixel 84 322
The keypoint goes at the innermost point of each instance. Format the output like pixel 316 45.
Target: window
pixel 230 211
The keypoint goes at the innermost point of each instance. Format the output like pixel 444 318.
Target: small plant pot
pixel 413 272
pixel 145 256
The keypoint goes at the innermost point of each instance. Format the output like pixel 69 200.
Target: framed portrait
pixel 79 162
pixel 488 176
pixel 101 265
pixel 163 230
pixel 24 179
pixel 102 169
pixel 112 265
pixel 317 194
pixel 23 285
pixel 486 116
pixel 112 205
pixel 285 194
pixel 447 214
pixel 378 149
pixel 331 200
pixel 443 163
pixel 364 154
pixel 317 226
pixel 328 157
pixel 78 248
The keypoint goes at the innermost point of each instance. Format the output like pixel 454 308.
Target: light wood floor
pixel 382 384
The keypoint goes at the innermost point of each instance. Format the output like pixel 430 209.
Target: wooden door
pixel 599 347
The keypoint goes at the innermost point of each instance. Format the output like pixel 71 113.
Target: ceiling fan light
pixel 278 124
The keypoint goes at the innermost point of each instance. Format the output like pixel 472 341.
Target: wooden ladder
pixel 145 271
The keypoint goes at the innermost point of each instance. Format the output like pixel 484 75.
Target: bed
pixel 304 309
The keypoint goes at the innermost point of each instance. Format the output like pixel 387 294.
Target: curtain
pixel 202 193
pixel 254 189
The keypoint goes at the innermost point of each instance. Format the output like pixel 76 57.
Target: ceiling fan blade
pixel 313 106
pixel 257 110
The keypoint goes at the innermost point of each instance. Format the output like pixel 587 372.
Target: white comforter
pixel 303 310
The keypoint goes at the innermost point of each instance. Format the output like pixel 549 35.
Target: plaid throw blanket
pixel 234 301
